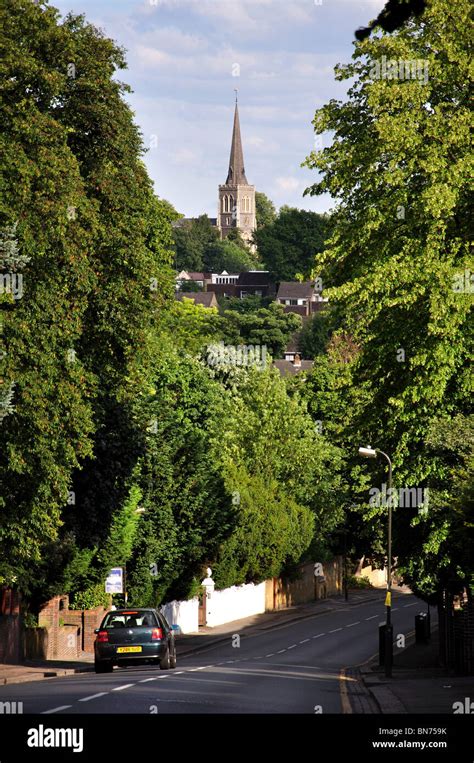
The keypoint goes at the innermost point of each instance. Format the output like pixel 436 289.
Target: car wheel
pixel 173 658
pixel 165 662
pixel 103 667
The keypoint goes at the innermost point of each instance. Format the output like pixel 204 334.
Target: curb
pixel 45 674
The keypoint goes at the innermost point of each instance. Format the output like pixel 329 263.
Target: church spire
pixel 236 174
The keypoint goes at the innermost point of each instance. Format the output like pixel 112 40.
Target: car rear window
pixel 130 619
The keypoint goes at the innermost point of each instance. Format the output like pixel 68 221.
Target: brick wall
pixel 75 635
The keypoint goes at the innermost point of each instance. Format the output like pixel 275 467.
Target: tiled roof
pixel 287 368
pixel 295 290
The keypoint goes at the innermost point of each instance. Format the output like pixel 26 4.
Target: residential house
pixel 199 279
pixel 301 298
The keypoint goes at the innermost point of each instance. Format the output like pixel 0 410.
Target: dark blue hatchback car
pixel 131 636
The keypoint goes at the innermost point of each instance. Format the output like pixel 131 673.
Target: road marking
pixel 345 701
pixel 319 635
pixel 94 696
pixel 55 709
pixel 144 680
pixel 351 624
pixel 410 605
pixel 292 646
pixel 281 651
pixel 335 630
pixel 394 609
pixel 259 658
pixel 304 641
pixel 372 618
pixel 124 686
pixel 270 655
pixel 176 673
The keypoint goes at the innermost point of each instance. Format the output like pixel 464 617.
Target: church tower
pixel 236 196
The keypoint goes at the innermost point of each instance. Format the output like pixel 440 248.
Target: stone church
pixel 236 197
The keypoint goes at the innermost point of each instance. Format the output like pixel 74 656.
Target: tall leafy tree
pixel 99 245
pixel 288 245
pixel 398 262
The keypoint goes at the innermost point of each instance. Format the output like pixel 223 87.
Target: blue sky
pixel 185 57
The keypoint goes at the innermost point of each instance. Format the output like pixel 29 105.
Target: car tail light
pixel 156 634
pixel 102 636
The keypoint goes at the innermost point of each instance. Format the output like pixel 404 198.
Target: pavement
pixel 419 684
pixel 33 670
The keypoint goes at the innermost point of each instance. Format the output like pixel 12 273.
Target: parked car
pixel 131 636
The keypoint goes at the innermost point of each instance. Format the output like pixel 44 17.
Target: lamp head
pixel 368 452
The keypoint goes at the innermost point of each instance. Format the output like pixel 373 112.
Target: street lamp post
pixel 373 453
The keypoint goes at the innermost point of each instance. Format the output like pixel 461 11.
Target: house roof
pixel 194 276
pixel 295 290
pixel 255 278
pixel 205 298
pixel 287 368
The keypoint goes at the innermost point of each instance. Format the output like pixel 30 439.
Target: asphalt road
pixel 294 668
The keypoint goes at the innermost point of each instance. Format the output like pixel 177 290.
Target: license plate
pixel 128 649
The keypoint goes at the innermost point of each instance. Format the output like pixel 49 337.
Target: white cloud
pixel 288 183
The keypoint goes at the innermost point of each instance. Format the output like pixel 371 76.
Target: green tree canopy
pixel 269 326
pixel 288 245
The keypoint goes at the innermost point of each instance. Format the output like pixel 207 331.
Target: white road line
pixel 394 609
pixel 304 641
pixel 145 680
pixel 351 624
pixel 372 618
pixel 94 696
pixel 319 635
pixel 124 686
pixel 410 605
pixel 335 630
pixel 281 651
pixel 270 655
pixel 55 709
pixel 259 658
pixel 176 673
pixel 292 646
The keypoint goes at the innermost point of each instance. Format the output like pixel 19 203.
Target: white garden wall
pixel 235 603
pixel 182 613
